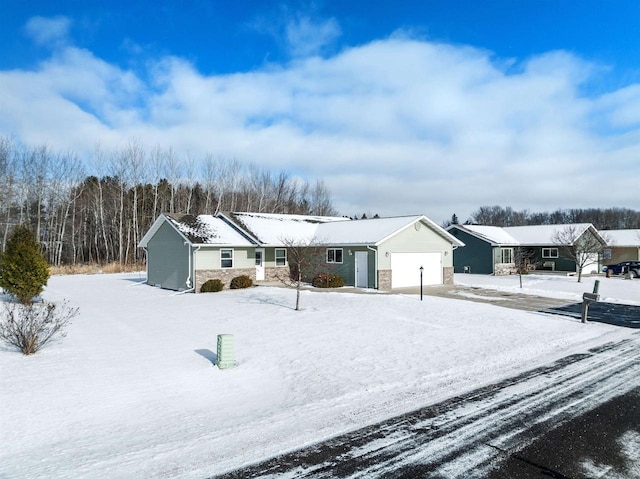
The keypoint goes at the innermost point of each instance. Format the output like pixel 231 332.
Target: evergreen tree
pixel 23 269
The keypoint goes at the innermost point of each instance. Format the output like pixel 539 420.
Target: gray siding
pixel 167 260
pixel 348 267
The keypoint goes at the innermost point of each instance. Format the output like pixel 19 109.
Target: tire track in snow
pixel 467 435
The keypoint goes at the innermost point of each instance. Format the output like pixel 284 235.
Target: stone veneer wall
pixel 505 268
pixel 384 279
pixel 447 275
pixel 274 275
pixel 224 275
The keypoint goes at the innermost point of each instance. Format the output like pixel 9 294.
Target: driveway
pixel 520 301
pixel 624 315
pixel 617 314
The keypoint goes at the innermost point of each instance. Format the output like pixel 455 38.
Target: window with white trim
pixel 281 257
pixel 549 252
pixel 606 254
pixel 334 255
pixel 226 258
pixel 507 255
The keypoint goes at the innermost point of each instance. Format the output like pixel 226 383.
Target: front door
pixel 362 269
pixel 259 265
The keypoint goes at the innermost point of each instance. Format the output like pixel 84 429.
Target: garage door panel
pixel 405 269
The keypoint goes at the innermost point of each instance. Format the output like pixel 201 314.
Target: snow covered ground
pixel 132 390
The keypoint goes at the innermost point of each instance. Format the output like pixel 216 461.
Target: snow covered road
pixel 467 436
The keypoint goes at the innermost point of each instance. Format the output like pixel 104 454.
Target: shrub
pixel 28 327
pixel 327 280
pixel 212 286
pixel 23 270
pixel 240 282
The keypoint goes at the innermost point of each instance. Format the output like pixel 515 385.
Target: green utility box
pixel 225 351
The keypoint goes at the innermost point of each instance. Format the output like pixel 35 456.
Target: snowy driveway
pixel 470 435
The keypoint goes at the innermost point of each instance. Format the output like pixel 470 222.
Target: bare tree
pixel 522 257
pixel 305 258
pixel 101 217
pixel 582 247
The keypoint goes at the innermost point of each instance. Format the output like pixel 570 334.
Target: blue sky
pixel 428 107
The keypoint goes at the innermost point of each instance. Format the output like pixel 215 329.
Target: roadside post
pixel 587 299
pixel 596 286
pixel 421 270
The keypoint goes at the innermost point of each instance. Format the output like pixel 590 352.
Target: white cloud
pixel 48 31
pixel 395 126
pixel 306 37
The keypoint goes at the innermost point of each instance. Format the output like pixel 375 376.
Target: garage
pixel 405 269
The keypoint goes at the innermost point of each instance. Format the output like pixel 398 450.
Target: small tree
pixel 584 248
pixel 28 327
pixel 522 258
pixel 305 257
pixel 23 269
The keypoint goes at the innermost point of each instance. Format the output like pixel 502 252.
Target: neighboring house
pixel 624 245
pixel 493 249
pixel 382 253
pixel 487 250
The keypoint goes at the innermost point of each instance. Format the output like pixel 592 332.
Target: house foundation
pixel 384 279
pixel 447 275
pixel 224 275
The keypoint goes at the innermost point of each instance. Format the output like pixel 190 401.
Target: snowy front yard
pixel 132 392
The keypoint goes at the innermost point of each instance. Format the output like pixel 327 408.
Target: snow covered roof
pixel 275 229
pixel 250 229
pixel 201 230
pixel 623 237
pixel 493 234
pixel 542 235
pixel 534 235
pixel 374 231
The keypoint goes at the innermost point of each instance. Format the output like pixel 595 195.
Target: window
pixel 606 254
pixel 334 255
pixel 549 252
pixel 226 258
pixel 281 257
pixel 507 255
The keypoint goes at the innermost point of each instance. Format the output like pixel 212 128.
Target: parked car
pixel 622 268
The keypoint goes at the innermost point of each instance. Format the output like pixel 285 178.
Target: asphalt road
pixel 574 418
pixel 624 315
pixel 603 443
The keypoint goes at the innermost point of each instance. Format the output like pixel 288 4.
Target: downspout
pixel 375 261
pixel 191 267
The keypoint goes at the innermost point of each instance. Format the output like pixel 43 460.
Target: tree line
pixel 601 218
pixel 97 210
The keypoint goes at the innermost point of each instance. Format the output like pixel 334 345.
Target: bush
pixel 28 327
pixel 240 282
pixel 23 270
pixel 327 280
pixel 212 286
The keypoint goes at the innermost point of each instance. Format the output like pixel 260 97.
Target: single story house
pixel 493 249
pixel 624 245
pixel 185 251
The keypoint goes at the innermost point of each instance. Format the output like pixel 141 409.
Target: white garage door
pixel 405 269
